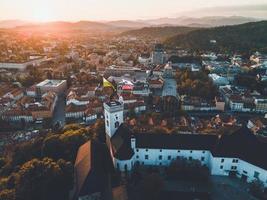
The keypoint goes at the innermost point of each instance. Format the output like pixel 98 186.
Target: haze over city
pixel 133 99
pixel 53 10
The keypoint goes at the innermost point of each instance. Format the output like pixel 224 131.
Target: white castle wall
pixel 151 156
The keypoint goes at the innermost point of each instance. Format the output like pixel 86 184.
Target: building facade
pixel 240 154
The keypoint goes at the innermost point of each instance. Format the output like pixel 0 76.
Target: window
pixel 178 157
pixel 107 123
pixel 245 172
pixel 117 124
pixel 178 151
pixel 222 160
pixel 235 160
pixel 221 167
pixel 160 150
pixel 191 151
pixel 202 158
pixel 146 157
pixel 137 157
pixel 233 167
pixel 160 157
pixel 203 152
pixel 169 157
pixel 160 163
pixel 190 158
pixel 137 150
pixel 256 174
pixel 146 149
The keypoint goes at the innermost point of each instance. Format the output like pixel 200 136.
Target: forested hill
pixel 239 38
pixel 161 33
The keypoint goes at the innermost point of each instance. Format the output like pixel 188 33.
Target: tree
pixel 99 130
pixel 7 194
pixel 26 151
pixel 188 170
pixel 2 162
pixel 44 179
pixel 256 188
pixel 131 113
pixel 151 187
pixel 195 84
pixel 53 147
pixel 72 140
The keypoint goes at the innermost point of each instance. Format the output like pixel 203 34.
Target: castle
pixel 240 154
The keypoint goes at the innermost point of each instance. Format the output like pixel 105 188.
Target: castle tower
pixel 113 117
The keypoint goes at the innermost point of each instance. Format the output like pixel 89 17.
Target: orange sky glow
pixel 75 10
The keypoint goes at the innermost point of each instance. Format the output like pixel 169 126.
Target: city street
pixel 59 113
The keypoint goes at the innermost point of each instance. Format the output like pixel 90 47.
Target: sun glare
pixel 42 12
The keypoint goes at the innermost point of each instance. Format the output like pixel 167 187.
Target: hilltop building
pixel 240 154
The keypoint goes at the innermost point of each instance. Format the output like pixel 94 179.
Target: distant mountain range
pixel 202 22
pixel 128 24
pixel 237 38
pixel 123 25
pixel 12 23
pixel 81 26
pixel 159 33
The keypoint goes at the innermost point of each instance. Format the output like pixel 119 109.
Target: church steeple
pixel 113 116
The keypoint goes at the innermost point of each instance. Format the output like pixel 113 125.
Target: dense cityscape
pixel 123 110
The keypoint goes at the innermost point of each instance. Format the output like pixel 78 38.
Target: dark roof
pixel 82 165
pixel 121 143
pixel 242 144
pixel 180 141
pixel 113 103
pixel 93 167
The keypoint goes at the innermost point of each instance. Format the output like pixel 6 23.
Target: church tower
pixel 113 117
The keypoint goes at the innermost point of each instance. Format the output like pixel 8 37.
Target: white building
pixel 218 80
pixel 158 56
pixel 261 104
pixel 57 86
pixel 22 66
pixel 240 154
pixel 143 59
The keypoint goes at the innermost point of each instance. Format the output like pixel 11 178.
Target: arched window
pixel 117 124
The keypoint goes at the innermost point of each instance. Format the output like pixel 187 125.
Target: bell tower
pixel 113 117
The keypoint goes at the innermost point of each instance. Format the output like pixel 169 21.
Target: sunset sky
pixel 75 10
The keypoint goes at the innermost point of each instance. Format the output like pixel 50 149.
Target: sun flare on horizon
pixel 69 10
pixel 42 12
